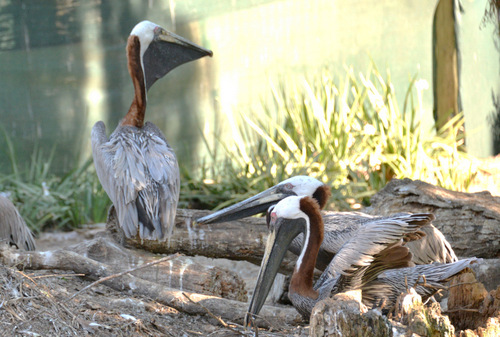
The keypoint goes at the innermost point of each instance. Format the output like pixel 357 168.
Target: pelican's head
pixel 295 186
pixel 161 51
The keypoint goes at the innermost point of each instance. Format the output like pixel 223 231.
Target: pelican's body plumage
pixel 146 165
pixel 338 226
pixel 374 258
pixel 13 229
pixel 136 166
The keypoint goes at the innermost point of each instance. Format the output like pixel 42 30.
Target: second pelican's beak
pixel 257 204
pixel 280 237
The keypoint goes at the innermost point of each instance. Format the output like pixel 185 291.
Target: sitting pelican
pixel 339 226
pixel 365 261
pixel 136 166
pixel 13 229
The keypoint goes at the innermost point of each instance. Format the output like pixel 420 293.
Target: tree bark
pixel 469 221
pixel 243 239
pixel 229 310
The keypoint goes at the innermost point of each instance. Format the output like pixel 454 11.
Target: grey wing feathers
pixel 368 241
pixel 391 283
pixel 13 229
pixel 433 247
pixel 139 172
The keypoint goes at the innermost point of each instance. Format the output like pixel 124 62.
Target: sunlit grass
pixel 351 133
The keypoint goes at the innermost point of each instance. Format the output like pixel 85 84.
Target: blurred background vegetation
pixel 352 94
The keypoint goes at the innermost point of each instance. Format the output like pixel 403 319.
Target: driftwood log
pixel 470 221
pixel 180 273
pixel 187 302
pixel 243 239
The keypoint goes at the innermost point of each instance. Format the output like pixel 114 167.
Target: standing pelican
pixel 136 166
pixel 339 226
pixel 366 259
pixel 13 229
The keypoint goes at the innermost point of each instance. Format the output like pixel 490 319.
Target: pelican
pixel 13 229
pixel 339 226
pixel 136 166
pixel 365 260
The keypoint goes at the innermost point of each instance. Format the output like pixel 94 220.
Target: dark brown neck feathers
pixel 302 278
pixel 135 115
pixel 322 194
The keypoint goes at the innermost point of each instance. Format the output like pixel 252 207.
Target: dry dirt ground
pixel 37 303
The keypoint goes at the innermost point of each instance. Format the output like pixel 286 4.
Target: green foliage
pixel 48 201
pixel 350 134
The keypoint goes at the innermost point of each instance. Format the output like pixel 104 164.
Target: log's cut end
pixel 466 297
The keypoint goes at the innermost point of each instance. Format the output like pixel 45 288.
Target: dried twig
pixel 104 279
pixel 56 275
pixel 462 283
pixel 460 309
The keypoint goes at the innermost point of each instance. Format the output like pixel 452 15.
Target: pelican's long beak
pixel 257 204
pixel 166 36
pixel 168 51
pixel 280 237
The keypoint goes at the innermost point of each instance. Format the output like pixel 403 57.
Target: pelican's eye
pixel 289 186
pixel 268 215
pixel 270 218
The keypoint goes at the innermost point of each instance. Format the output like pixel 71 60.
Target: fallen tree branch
pixel 107 278
pixel 229 310
pixel 178 273
pixel 243 239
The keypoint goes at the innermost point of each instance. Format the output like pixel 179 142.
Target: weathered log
pixel 229 310
pixel 469 221
pixel 180 273
pixel 243 239
pixel 466 296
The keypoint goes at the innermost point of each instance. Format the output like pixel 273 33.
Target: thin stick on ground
pixel 104 279
pixel 56 275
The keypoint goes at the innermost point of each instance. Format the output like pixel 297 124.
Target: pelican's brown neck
pixel 322 194
pixel 302 278
pixel 135 115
